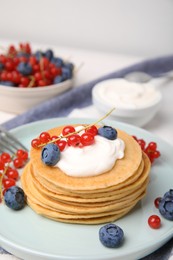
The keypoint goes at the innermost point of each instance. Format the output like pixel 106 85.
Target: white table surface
pixel 94 64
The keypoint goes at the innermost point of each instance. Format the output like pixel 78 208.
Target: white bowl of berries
pixel 28 78
pixel 134 103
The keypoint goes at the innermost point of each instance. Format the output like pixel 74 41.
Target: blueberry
pixel 57 61
pixel 1 66
pixel 166 207
pixel 50 154
pixel 58 79
pixel 168 193
pixel 38 55
pixel 67 72
pixel 111 235
pixel 24 68
pixel 49 54
pixel 69 66
pixel 108 132
pixel 7 83
pixel 23 54
pixel 14 198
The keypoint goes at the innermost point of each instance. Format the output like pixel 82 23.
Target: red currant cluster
pixel 150 149
pixel 8 169
pixel 69 137
pixel 22 68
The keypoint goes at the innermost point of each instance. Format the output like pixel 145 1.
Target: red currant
pixel 135 137
pixel 32 60
pixel 35 143
pixel 154 221
pixel 54 137
pixel 62 144
pixel 142 143
pixel 42 83
pixel 12 174
pixel 22 154
pixel 4 75
pixel 92 130
pixel 36 67
pixel 9 65
pixel 152 146
pixel 3 58
pixel 7 183
pixel 2 165
pixel 74 140
pixel 156 202
pixel 67 130
pixel 38 76
pixel 18 163
pixel 87 139
pixel 5 157
pixel 16 77
pixel 24 81
pixel 156 154
pixel 150 156
pixel 45 137
pixel 9 76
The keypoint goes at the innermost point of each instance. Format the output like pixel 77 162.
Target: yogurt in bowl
pixel 135 103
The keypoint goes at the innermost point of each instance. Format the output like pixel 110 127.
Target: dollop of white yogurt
pixel 93 159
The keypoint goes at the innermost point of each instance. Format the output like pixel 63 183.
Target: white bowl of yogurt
pixel 135 103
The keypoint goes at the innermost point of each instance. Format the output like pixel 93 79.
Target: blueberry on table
pixel 108 132
pixel 111 235
pixel 50 154
pixel 14 198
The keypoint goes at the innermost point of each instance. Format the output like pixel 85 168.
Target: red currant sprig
pixel 9 166
pixel 71 135
pixel 150 149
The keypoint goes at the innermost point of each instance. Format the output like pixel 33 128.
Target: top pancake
pixel 121 171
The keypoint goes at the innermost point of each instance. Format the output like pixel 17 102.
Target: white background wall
pixel 135 27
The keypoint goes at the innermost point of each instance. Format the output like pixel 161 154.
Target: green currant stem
pixel 76 132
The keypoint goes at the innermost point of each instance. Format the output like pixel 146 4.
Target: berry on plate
pixel 111 235
pixel 14 198
pixel 154 221
pixel 166 205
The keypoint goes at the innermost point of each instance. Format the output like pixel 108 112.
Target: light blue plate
pixel 30 236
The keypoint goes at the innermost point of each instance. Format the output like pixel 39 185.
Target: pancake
pixel 87 200
pixel 124 168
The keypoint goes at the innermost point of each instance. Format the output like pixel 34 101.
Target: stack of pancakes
pixel 87 200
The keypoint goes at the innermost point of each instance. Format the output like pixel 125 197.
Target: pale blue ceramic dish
pixel 30 236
